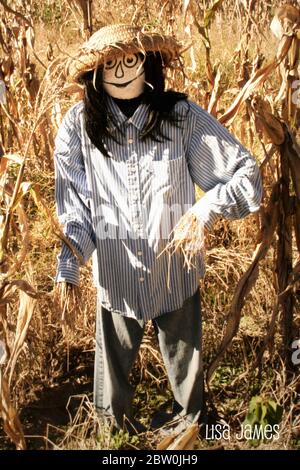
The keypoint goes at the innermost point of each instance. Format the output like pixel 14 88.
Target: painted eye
pixel 130 60
pixel 110 64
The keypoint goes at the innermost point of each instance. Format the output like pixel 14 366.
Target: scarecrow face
pixel 124 76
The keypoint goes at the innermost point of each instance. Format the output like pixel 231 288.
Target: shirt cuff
pixel 68 271
pixel 204 213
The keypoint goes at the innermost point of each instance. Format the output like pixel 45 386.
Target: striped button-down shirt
pixel 121 210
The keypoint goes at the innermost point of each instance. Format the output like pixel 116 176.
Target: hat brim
pixel 89 59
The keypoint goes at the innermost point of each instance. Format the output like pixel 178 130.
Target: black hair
pixel 161 104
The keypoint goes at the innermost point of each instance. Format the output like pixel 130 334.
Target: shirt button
pixel 140 253
pixel 130 141
pixel 142 279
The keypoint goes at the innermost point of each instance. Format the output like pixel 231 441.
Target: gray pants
pixel 117 344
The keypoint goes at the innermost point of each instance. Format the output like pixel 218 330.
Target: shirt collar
pixel 138 119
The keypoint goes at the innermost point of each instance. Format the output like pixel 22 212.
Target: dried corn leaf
pixel 186 440
pixel 210 13
pixel 186 5
pixel 201 30
pixel 18 259
pixel 24 229
pixel 11 422
pixel 3 168
pixel 256 80
pixel 297 224
pixel 294 278
pixel 24 188
pixel 26 308
pixel 166 442
pixel 271 126
pixel 215 95
pixel 276 27
pixel 3 99
pixel 30 41
pixel 13 157
pixel 6 293
pixel 3 165
pixel 14 204
pixel 3 353
pixel 54 224
pixel 74 88
pixel 292 150
pixel 284 21
pixel 8 289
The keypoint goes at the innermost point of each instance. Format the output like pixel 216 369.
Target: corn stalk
pixel 27 117
pixel 281 217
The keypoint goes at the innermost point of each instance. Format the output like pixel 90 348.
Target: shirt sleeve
pixel 224 170
pixel 72 199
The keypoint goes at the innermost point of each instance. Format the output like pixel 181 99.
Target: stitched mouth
pixel 123 85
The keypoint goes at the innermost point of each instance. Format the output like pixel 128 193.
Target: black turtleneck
pixel 128 107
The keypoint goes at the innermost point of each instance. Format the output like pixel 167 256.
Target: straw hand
pixel 67 297
pixel 187 238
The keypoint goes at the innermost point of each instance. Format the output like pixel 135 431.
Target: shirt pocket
pixel 167 176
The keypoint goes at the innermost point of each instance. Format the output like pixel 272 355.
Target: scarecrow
pixel 127 158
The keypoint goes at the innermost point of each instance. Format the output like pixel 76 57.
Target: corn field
pixel 241 63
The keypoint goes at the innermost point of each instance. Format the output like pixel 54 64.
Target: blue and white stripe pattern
pixel 120 210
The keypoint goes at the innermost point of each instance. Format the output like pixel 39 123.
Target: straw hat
pixel 110 40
